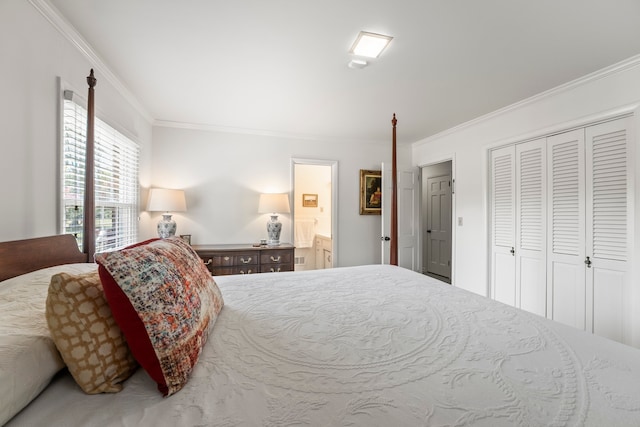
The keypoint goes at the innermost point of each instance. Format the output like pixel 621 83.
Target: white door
pixel 607 165
pixel 408 224
pixel 503 266
pixel 566 296
pixel 438 231
pixel 530 249
pixel 385 232
pixel 407 216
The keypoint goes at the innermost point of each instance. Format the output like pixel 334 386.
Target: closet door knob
pixel 513 251
pixel 588 262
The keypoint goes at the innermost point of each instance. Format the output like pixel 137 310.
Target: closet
pixel 559 224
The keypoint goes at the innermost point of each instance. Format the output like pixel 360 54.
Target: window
pixel 116 180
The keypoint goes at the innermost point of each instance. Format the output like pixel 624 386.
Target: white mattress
pixel 371 345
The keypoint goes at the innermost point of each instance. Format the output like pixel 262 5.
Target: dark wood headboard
pixel 24 256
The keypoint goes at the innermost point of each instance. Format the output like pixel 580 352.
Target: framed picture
pixel 310 200
pixel 186 238
pixel 370 192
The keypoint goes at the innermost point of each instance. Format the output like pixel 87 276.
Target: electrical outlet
pixel 459 221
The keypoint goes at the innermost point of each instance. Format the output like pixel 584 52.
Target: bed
pixel 374 345
pixel 367 345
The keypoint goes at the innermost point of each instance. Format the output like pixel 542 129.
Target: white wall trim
pixel 619 67
pixel 70 33
pixel 259 132
pixel 580 122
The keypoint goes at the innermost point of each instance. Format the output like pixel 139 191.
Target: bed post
pixel 393 256
pixel 89 231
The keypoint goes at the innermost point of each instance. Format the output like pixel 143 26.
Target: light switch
pixel 459 221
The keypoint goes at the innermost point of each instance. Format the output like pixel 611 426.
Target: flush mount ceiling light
pixel 357 63
pixel 369 45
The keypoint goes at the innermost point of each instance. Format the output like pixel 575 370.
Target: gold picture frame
pixel 309 200
pixel 370 192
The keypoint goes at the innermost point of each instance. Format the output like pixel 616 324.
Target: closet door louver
pixel 503 225
pixel 530 197
pixel 607 219
pixel 609 195
pixel 531 226
pixel 504 200
pixel 566 228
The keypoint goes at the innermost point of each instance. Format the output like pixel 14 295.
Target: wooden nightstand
pixel 222 260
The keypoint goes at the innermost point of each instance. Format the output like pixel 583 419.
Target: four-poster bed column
pixel 89 230
pixel 393 255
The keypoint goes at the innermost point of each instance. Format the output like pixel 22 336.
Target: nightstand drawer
pixel 223 271
pixel 225 260
pixel 276 257
pixel 275 268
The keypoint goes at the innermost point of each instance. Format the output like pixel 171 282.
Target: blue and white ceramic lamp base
pixel 166 227
pixel 274 227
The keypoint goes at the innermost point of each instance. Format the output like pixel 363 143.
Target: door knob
pixel 513 251
pixel 428 231
pixel 588 262
pixel 385 238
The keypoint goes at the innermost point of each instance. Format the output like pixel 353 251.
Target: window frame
pixel 127 208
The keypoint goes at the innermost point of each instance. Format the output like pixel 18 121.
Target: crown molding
pixel 70 33
pixel 618 67
pixel 258 132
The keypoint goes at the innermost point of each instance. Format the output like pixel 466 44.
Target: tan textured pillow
pixel 86 335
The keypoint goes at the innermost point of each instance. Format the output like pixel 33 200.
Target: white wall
pixel 224 173
pixel 602 94
pixel 33 55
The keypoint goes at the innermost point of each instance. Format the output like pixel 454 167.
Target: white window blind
pixel 116 181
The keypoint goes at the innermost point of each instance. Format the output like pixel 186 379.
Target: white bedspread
pixel 28 356
pixel 367 346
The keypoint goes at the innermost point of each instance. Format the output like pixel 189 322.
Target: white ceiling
pixel 280 66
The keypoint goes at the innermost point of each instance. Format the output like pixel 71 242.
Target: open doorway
pixel 436 220
pixel 314 214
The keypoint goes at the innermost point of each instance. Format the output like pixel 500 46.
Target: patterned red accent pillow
pixel 165 301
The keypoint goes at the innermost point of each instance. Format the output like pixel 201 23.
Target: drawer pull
pixel 275 259
pixel 275 270
pixel 209 261
pixel 226 258
pixel 245 261
pixel 247 272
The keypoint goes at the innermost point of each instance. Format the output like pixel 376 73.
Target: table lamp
pixel 165 200
pixel 274 204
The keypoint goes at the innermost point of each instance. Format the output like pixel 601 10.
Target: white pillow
pixel 28 356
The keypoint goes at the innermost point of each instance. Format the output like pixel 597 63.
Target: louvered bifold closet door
pixel 502 193
pixel 607 218
pixel 531 228
pixel 566 294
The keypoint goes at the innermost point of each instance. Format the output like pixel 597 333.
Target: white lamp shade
pixel 164 200
pixel 274 203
